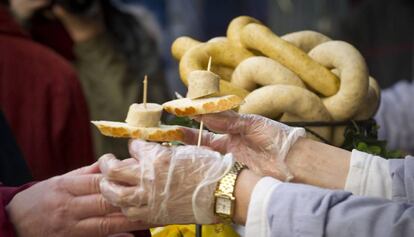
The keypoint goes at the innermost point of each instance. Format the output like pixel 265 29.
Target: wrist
pixel 243 190
pixel 12 213
pixel 318 164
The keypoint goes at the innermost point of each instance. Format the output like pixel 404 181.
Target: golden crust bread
pixel 163 133
pixel 189 107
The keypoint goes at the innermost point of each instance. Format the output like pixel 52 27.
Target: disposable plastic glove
pixel 164 185
pixel 260 143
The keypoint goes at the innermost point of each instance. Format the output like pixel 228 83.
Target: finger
pixel 81 185
pixel 141 149
pixel 91 169
pixel 122 235
pixel 105 161
pixel 223 122
pixel 92 206
pixel 125 171
pixel 134 213
pixel 121 196
pixel 113 224
pixel 231 122
pixel 217 142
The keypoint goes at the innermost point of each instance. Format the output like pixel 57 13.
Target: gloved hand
pixel 260 143
pixel 164 185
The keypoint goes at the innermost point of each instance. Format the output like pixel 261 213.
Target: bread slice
pixel 163 133
pixel 189 107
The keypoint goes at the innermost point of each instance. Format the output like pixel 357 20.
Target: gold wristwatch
pixel 224 195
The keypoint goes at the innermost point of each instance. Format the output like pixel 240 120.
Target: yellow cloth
pixel 218 230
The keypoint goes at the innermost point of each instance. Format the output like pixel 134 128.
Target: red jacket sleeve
pixel 43 103
pixel 6 195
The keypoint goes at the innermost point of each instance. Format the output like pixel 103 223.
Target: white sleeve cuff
pixel 369 176
pixel 257 224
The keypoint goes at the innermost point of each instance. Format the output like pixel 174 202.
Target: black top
pixel 13 168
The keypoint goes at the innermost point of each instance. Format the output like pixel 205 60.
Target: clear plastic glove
pixel 260 143
pixel 164 185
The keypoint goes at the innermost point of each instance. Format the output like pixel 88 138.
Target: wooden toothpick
pixel 178 95
pixel 200 132
pixel 209 64
pixel 199 231
pixel 144 99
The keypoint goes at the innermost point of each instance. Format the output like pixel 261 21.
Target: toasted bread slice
pixel 189 107
pixel 163 133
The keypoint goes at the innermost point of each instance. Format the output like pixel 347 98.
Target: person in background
pixel 332 192
pixel 114 47
pixel 395 116
pixel 379 29
pixel 43 103
pixel 13 168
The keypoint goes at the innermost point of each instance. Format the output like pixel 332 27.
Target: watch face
pixel 223 206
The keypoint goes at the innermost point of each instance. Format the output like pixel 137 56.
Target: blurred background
pixel 382 30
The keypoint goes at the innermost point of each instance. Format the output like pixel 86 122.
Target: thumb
pixel 217 142
pixel 90 169
pixel 140 149
pixel 229 122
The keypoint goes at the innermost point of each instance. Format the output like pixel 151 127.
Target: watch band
pixel 225 190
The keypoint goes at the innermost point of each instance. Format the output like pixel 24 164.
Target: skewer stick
pixel 178 95
pixel 200 131
pixel 144 99
pixel 209 64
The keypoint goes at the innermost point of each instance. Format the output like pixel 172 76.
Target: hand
pixel 164 185
pixel 68 205
pixel 24 9
pixel 260 143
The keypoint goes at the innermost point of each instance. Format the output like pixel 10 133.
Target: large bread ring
pixel 317 77
pixel 263 71
pixel 353 73
pixel 294 103
pixel 182 45
pixel 306 40
pixel 235 28
pixel 370 105
pixel 223 53
pixel 367 110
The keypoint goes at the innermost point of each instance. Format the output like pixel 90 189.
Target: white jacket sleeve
pixel 369 175
pixel 395 116
pixel 257 224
